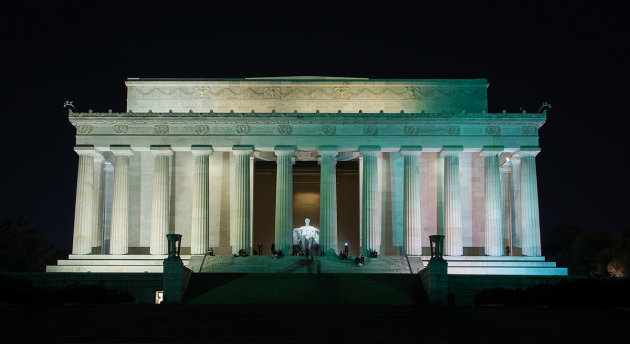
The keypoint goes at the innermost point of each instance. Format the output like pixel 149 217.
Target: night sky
pixel 572 54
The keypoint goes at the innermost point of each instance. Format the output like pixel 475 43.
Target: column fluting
pixel 97 214
pixel 200 224
pixel 241 194
pixel 370 224
pixel 506 204
pixel 453 243
pixel 411 203
pixel 161 205
pixel 328 200
pixel 118 243
pixel 517 233
pixel 84 206
pixel 284 199
pixel 493 218
pixel 530 221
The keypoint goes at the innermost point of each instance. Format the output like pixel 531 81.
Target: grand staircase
pixel 303 265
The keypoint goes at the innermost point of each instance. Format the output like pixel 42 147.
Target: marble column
pixel 241 196
pixel 84 206
pixel 530 221
pixel 97 226
pixel 493 221
pixel 118 243
pixel 506 203
pixel 517 233
pixel 284 199
pixel 161 205
pixel 370 207
pixel 200 224
pixel 328 200
pixel 453 243
pixel 412 225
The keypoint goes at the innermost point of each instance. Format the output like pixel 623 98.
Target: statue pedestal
pixel 435 281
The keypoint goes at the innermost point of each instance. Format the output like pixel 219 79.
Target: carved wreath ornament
pixel 529 130
pixel 243 129
pixel 120 129
pixel 201 129
pixel 412 130
pixel 285 129
pixel 453 131
pixel 160 129
pixel 493 130
pixel 84 129
pixel 371 130
pixel 329 129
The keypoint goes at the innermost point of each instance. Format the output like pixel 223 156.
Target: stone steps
pixel 504 265
pixel 297 264
pixel 457 265
pixel 115 263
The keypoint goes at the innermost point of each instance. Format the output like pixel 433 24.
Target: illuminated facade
pixel 428 158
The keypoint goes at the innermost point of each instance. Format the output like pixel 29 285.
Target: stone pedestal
pixel 493 221
pixel 370 207
pixel 200 223
pixel 411 202
pixel 176 275
pixel 120 204
pixel 161 206
pixel 435 281
pixel 84 207
pixel 241 220
pixel 530 221
pixel 284 199
pixel 328 200
pixel 452 202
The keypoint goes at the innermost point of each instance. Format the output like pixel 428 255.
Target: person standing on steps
pixel 260 249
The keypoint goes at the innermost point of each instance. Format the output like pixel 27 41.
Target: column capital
pixel 369 150
pixel 85 150
pixel 491 150
pixel 242 149
pixel 284 150
pixel 98 157
pixel 201 150
pixel 514 160
pixel 161 150
pixel 125 150
pixel 528 151
pixel 451 150
pixel 410 150
pixel 328 148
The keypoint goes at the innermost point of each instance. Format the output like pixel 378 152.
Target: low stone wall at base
pixel 141 286
pixel 463 289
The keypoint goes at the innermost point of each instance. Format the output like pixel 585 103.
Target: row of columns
pixel 523 200
pixel 89 200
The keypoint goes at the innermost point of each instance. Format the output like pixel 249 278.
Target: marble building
pixel 426 158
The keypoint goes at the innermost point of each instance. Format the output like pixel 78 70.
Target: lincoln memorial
pixel 379 165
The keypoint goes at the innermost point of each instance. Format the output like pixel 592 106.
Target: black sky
pixel 573 54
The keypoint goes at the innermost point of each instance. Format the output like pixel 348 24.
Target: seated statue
pixel 306 236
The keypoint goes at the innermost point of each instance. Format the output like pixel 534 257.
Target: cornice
pixel 308 124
